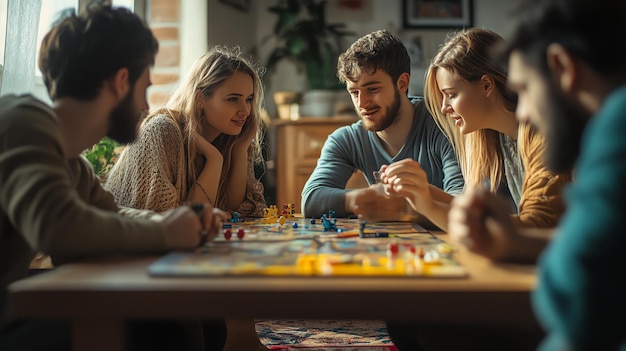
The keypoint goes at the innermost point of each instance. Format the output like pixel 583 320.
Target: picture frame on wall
pixel 437 13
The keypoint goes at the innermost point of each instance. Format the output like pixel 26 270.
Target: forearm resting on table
pixel 530 244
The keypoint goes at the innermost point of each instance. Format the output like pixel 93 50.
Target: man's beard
pixel 564 129
pixel 124 121
pixel 390 116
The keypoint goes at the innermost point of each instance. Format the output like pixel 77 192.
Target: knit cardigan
pixel 151 173
pixel 542 202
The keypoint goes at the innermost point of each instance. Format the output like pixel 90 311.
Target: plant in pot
pixel 303 36
pixel 102 156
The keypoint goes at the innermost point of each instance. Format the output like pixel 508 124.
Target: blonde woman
pixel 202 147
pixel 466 93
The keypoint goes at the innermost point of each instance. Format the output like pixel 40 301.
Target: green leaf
pixel 102 156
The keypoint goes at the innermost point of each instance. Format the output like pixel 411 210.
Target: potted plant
pixel 303 36
pixel 102 156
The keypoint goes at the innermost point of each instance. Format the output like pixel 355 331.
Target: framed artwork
pixel 437 13
pixel 242 5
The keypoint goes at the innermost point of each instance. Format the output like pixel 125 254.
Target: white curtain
pixel 21 47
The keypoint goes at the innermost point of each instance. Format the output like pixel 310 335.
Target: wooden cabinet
pixel 298 146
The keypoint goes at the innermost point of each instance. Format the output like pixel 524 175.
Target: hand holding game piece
pixel 406 178
pixel 181 227
pixel 372 205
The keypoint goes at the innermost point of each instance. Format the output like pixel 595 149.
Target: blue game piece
pixel 328 224
pixel 312 220
pixel 235 218
pixel 226 225
pixel 295 225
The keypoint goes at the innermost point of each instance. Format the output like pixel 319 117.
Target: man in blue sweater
pixel 570 75
pixel 392 127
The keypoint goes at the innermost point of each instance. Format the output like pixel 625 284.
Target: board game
pixel 309 247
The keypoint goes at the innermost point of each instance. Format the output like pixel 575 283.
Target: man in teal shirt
pixel 393 127
pixel 570 76
pixel 581 296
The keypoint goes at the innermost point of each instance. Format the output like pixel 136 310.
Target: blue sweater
pixel 581 296
pixel 353 147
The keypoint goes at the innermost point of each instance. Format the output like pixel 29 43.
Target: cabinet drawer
pixel 309 141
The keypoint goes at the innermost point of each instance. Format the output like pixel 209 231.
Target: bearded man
pixel 392 127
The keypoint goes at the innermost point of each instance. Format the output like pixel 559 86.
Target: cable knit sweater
pixel 151 173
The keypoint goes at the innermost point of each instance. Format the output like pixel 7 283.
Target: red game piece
pixel 228 234
pixel 241 233
pixel 393 248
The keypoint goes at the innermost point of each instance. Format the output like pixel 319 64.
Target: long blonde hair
pixel 207 74
pixel 466 54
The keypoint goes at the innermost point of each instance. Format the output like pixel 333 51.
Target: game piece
pixel 432 257
pixel 377 176
pixel 281 220
pixel 289 210
pixel 241 233
pixel 228 234
pixel 312 220
pixel 376 234
pixel 270 215
pixel 328 225
pixel 393 248
pixel 295 225
pixel 226 225
pixel 235 218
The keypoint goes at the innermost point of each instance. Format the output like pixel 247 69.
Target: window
pixel 3 27
pixel 26 23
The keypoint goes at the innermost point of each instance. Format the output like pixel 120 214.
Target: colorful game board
pixel 299 228
pixel 308 249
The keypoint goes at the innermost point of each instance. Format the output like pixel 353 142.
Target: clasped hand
pixel 184 228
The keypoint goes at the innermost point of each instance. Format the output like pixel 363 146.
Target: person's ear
pixel 487 84
pixel 120 85
pixel 199 96
pixel 403 82
pixel 562 67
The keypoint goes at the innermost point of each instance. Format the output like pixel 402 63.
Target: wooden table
pixel 98 295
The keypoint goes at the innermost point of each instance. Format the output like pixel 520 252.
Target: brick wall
pixel 163 16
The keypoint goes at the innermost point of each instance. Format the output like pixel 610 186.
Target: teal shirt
pixel 581 295
pixel 353 147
